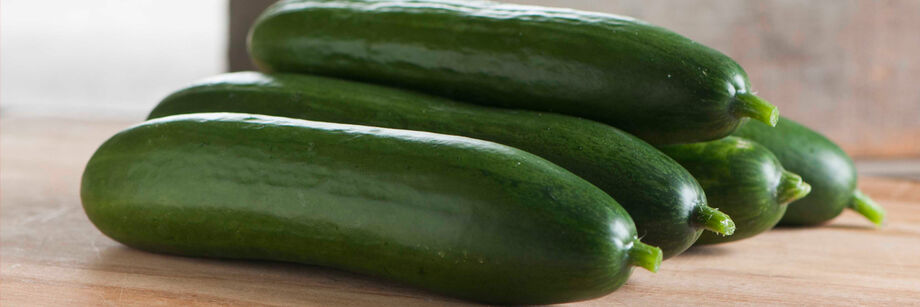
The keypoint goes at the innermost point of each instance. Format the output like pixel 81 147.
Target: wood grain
pixel 51 255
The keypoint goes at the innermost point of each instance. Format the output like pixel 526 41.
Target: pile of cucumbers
pixel 494 152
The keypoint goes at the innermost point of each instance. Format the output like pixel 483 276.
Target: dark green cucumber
pixel 666 203
pixel 646 80
pixel 821 163
pixel 742 178
pixel 455 215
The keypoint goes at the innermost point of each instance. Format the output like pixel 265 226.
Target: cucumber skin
pixel 658 193
pixel 646 80
pixel 819 161
pixel 459 216
pixel 740 178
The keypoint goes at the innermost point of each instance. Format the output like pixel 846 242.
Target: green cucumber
pixel 646 80
pixel 455 215
pixel 823 164
pixel 664 200
pixel 743 179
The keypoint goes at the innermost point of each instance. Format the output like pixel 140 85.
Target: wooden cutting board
pixel 50 254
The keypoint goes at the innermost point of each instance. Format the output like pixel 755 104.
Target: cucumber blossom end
pixel 867 207
pixel 645 256
pixel 714 220
pixel 791 188
pixel 749 105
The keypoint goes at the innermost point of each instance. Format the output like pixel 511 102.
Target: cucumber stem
pixel 714 220
pixel 791 188
pixel 867 207
pixel 645 256
pixel 755 107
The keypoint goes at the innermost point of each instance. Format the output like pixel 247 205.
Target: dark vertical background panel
pixel 242 14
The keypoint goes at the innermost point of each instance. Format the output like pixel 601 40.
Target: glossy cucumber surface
pixel 744 180
pixel 644 79
pixel 664 200
pixel 455 215
pixel 822 164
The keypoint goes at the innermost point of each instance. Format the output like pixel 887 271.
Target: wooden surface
pixel 50 254
pixel 847 68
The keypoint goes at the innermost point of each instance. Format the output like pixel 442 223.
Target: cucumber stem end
pixel 749 105
pixel 867 207
pixel 645 256
pixel 714 220
pixel 791 188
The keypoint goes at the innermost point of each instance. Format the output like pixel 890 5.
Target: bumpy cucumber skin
pixel 646 80
pixel 819 161
pixel 459 216
pixel 658 193
pixel 741 178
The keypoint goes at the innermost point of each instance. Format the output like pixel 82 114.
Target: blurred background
pixel 73 73
pixel 846 68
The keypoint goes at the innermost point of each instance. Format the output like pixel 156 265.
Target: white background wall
pixel 105 58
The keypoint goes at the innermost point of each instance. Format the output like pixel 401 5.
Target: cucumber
pixel 820 162
pixel 664 200
pixel 455 215
pixel 742 178
pixel 646 80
